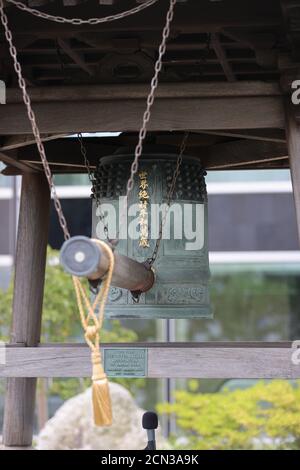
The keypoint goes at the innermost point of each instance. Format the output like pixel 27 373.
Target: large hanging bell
pixel 182 267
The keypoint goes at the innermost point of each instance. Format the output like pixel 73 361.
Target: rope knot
pixel 91 332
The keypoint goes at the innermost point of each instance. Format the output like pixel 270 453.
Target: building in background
pixel 9 201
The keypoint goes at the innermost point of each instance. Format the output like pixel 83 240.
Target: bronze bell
pixel 182 266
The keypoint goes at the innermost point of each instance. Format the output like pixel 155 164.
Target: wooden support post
pixel 27 304
pixel 293 142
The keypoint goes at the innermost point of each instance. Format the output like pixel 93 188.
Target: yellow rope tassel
pixel 100 393
pixel 100 388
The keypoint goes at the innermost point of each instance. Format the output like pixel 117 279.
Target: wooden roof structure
pixel 223 64
pixel 226 79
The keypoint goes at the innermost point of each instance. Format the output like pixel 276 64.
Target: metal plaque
pixel 128 362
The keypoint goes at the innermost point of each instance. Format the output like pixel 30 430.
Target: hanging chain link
pixel 147 114
pixel 142 136
pixel 85 159
pixel 177 170
pixel 32 119
pixel 80 21
pixel 170 194
pixel 92 179
pixel 151 96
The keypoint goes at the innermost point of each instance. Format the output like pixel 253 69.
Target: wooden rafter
pixel 269 135
pixel 78 58
pixel 243 152
pixel 139 91
pixel 221 55
pixel 18 141
pixel 213 153
pixel 244 39
pixel 12 160
pixel 119 108
pixel 125 115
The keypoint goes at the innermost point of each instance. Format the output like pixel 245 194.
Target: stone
pixel 72 425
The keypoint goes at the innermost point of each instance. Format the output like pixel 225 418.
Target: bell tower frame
pixel 241 116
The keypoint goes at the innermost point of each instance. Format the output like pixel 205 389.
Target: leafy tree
pixel 61 323
pixel 266 415
pixel 246 306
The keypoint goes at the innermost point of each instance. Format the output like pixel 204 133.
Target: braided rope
pixel 91 323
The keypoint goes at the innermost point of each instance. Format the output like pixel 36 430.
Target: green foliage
pixel 266 415
pixel 250 298
pixel 5 312
pixel 61 323
pixel 67 388
pixel 60 316
pixel 247 306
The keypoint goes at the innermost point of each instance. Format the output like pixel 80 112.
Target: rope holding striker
pixel 92 324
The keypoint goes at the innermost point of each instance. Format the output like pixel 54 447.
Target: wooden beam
pixel 290 11
pixel 140 91
pixel 19 141
pixel 221 55
pixel 268 135
pixel 237 153
pixel 27 304
pixel 12 160
pixel 67 151
pixel 11 171
pixel 191 19
pixel 75 56
pixel 264 164
pixel 126 115
pixel 255 41
pixel 174 360
pixel 100 43
pixel 241 152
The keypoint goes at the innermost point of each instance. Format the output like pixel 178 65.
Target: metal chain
pixel 92 179
pixel 32 119
pixel 80 21
pixel 85 159
pixel 150 98
pixel 177 169
pixel 150 101
pixel 152 259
